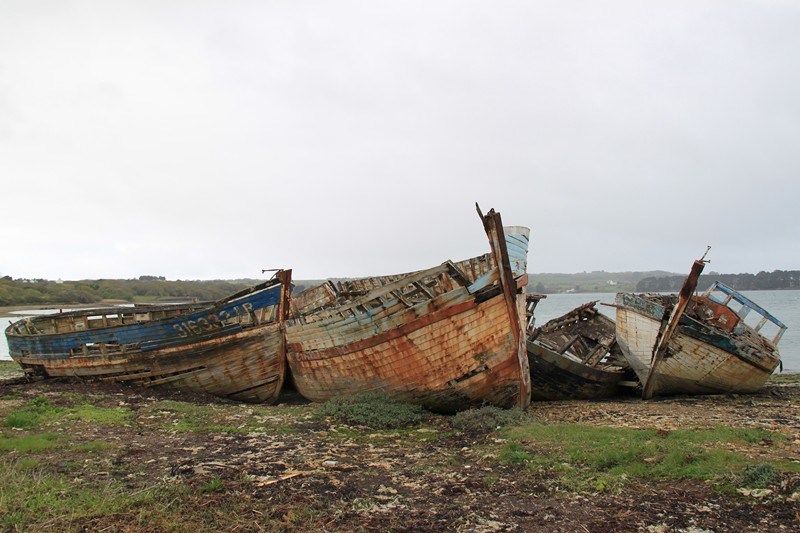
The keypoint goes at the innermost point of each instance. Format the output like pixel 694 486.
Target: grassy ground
pixel 76 455
pixel 9 369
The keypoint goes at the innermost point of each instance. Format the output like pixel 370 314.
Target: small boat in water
pixel 448 338
pixel 685 344
pixel 233 348
pixel 575 356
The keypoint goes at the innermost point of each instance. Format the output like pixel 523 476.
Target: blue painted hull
pixel 232 348
pixel 181 329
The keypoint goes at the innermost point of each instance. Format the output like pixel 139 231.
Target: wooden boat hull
pixel 247 366
pixel 234 349
pixel 556 377
pixel 458 347
pixel 699 360
pixel 448 355
pixel 574 356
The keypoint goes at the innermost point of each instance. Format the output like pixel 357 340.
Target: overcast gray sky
pixel 201 140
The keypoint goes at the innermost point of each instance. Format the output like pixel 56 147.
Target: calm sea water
pixel 785 305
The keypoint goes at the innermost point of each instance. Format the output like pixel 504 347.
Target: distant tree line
pixel 777 279
pixel 146 288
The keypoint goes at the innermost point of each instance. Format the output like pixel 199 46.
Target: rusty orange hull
pixel 448 338
pixel 449 354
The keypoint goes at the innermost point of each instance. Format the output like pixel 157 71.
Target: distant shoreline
pixel 601 291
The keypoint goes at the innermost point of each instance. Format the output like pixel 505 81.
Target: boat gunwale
pixel 111 329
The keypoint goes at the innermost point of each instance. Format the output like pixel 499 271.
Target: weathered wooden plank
pixel 455 347
pixel 222 348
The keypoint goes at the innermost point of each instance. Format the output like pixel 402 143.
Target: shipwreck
pixel 449 337
pixel 233 348
pixel 575 357
pixel 687 344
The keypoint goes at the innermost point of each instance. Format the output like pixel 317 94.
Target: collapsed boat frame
pixel 575 356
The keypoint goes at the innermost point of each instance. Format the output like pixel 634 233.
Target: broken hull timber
pixel 575 356
pixel 452 345
pixel 233 349
pixel 569 357
pixel 557 377
pixel 700 359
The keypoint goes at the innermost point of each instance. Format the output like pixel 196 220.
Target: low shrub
pixel 758 476
pixel 487 419
pixel 373 410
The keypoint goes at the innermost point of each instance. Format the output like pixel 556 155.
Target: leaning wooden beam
pixel 660 348
pixel 494 230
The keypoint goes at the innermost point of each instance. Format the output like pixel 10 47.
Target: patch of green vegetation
pixel 598 458
pixel 28 463
pixel 487 419
pixel 191 417
pixel 22 420
pixel 785 378
pixel 514 452
pixel 31 414
pixel 373 410
pixel 41 405
pixel 34 496
pixel 107 416
pixel 147 288
pixel 10 369
pixel 758 476
pixel 28 443
pixel 40 410
pixel 213 485
pixel 185 416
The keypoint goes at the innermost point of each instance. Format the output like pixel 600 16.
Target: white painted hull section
pixel 693 366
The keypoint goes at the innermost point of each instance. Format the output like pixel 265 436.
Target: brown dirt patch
pixel 295 472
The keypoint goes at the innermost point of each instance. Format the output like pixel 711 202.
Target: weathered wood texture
pixel 669 326
pixel 517 241
pixel 248 365
pixel 575 357
pixel 556 377
pixel 445 338
pixel 233 348
pixel 699 358
pixel 449 354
